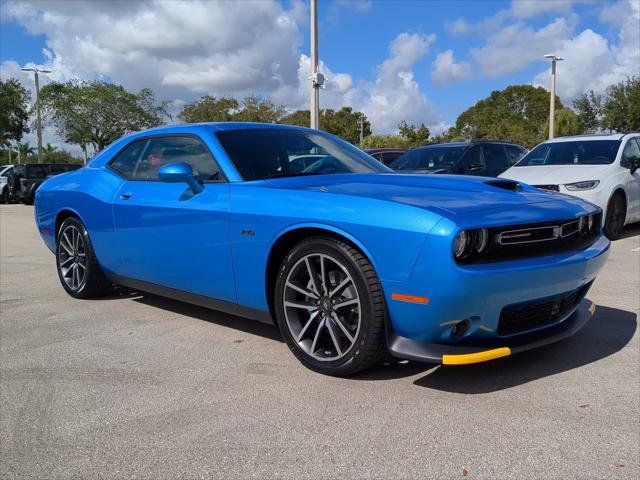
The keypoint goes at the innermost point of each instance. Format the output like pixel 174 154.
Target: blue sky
pixel 420 61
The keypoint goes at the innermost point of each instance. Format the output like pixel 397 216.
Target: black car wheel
pixel 78 269
pixel 616 213
pixel 4 198
pixel 330 307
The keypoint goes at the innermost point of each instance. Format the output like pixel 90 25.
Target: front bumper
pixel 408 349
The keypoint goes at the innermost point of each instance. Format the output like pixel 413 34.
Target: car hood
pixel 555 174
pixel 443 194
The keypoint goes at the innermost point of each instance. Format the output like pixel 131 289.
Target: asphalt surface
pixel 137 386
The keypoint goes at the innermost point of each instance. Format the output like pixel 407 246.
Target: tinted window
pixel 473 157
pixel 143 158
pixel 495 159
pixel 631 152
pixel 514 153
pixel 164 150
pixel 586 152
pixel 269 152
pixel 126 161
pixel 36 171
pixel 389 157
pixel 429 158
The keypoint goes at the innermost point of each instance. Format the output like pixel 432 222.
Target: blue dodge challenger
pixel 348 258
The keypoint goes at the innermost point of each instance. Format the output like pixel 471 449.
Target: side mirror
pixel 635 166
pixel 179 173
pixel 475 167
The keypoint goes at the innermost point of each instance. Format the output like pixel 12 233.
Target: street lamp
pixel 317 79
pixel 37 70
pixel 552 108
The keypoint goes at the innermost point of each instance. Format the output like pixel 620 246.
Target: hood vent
pixel 505 185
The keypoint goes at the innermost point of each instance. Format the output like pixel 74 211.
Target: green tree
pixel 301 118
pixel 414 136
pixel 209 109
pixel 257 109
pixel 383 141
pixel 345 123
pixel 14 111
pixel 621 110
pixel 516 114
pixel 567 123
pixel 98 113
pixel 589 110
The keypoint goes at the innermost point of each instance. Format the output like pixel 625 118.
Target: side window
pixel 514 154
pixel 630 152
pixel 125 162
pixel 495 159
pixel 473 157
pixel 171 149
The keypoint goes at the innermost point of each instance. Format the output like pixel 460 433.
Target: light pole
pixel 552 106
pixel 317 79
pixel 36 70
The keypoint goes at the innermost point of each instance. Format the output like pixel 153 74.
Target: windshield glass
pixel 429 157
pixel 586 152
pixel 263 153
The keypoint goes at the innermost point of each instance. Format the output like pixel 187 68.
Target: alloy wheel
pixel 322 307
pixel 72 258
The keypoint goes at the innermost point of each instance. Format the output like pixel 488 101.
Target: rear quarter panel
pixel 88 193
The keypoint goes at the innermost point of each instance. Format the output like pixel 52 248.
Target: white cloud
pixel 446 70
pixel 515 46
pixel 458 27
pixel 532 8
pixel 591 62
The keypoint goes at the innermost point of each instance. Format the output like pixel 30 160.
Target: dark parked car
pixel 485 158
pixel 33 174
pixel 386 155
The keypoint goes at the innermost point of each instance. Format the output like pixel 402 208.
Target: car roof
pixel 593 136
pixel 467 144
pixel 219 126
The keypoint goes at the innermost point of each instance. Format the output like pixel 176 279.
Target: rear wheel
pixel 616 212
pixel 330 307
pixel 4 198
pixel 78 269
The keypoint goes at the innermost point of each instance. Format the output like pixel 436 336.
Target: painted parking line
pixel 635 249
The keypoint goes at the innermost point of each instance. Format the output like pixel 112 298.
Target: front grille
pixel 515 242
pixel 522 317
pixel 553 188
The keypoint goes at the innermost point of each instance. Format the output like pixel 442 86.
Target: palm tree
pixel 48 151
pixel 24 150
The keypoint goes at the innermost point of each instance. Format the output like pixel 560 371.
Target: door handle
pixel 126 195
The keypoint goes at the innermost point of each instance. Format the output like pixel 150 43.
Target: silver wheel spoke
pixel 66 243
pixel 340 288
pixel 66 262
pixel 334 337
pixel 323 278
pixel 312 317
pixel 337 321
pixel 317 335
pixel 313 276
pixel 305 306
pixel 306 293
pixel 72 257
pixel 346 303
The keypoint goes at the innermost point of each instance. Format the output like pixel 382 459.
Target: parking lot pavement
pixel 137 386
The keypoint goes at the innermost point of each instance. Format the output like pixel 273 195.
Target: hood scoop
pixel 505 185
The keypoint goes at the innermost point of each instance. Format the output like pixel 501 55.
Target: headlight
pixel 469 242
pixel 460 245
pixel 586 185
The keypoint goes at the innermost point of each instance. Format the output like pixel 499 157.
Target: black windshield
pixel 581 152
pixel 263 153
pixel 428 158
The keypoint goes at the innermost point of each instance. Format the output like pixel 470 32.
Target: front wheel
pixel 78 269
pixel 614 221
pixel 330 307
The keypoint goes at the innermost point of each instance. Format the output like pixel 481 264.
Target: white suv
pixel 603 169
pixel 5 170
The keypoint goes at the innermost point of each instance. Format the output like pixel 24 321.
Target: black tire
pixel 368 345
pixel 4 198
pixel 94 282
pixel 616 213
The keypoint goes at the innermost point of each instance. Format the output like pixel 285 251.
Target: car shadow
pixel 629 231
pixel 607 333
pixel 252 327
